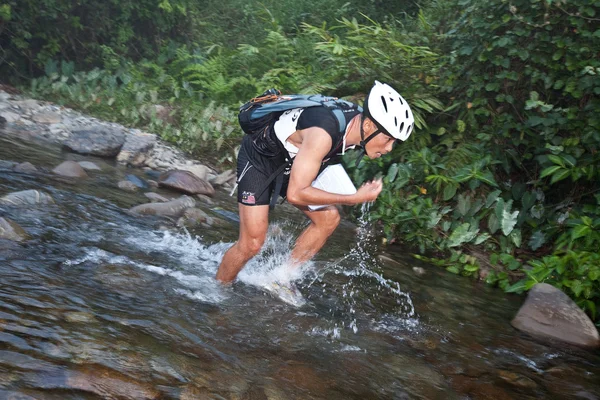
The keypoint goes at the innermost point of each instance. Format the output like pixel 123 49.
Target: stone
pixel 80 317
pixel 47 117
pixel 26 197
pixel 192 217
pixel 98 141
pixel 548 313
pixel 89 166
pixel 155 197
pixel 128 186
pixel 420 271
pixel 201 171
pixel 27 105
pixel 70 169
pixel 140 183
pixel 137 149
pixel 186 182
pixel 173 208
pixel 225 177
pixel 205 199
pixel 517 380
pixel 12 231
pixel 2 120
pixel 10 117
pixel 25 168
pixel 4 164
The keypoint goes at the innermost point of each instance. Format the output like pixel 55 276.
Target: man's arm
pixel 316 143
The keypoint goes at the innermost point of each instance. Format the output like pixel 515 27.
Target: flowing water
pixel 101 304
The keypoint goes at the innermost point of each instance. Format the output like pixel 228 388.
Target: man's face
pixel 381 144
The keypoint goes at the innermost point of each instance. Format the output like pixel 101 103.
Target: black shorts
pixel 251 180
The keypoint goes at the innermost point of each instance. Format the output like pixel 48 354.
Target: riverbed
pixel 103 304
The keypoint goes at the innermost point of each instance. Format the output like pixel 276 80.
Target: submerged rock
pixel 128 186
pixel 548 313
pixel 155 197
pixel 47 117
pixel 98 141
pixel 186 182
pixel 12 231
pixel 173 208
pixel 228 176
pixel 25 168
pixel 70 169
pixel 26 197
pixel 90 166
pixel 192 217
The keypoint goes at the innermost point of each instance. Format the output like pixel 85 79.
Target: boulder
pixel 173 208
pixel 4 164
pixel 70 169
pixel 12 231
pixel 137 149
pixel 26 197
pixel 100 141
pixel 186 182
pixel 548 313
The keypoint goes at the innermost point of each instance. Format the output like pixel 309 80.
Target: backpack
pixel 258 113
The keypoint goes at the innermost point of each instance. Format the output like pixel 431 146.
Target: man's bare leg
pixel 254 223
pixel 312 239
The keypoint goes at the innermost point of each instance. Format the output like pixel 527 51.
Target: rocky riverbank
pixel 44 121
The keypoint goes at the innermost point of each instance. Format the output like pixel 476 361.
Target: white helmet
pixel 390 112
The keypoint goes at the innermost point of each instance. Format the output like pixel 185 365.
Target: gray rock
pixel 70 169
pixel 99 141
pixel 26 197
pixel 47 117
pixel 186 182
pixel 2 120
pixel 192 217
pixel 548 313
pixel 205 199
pixel 12 231
pixel 10 117
pixel 7 164
pixel 173 208
pixel 25 168
pixel 136 181
pixel 201 171
pixel 90 166
pixel 128 186
pixel 137 149
pixel 223 178
pixel 419 270
pixel 155 197
pixel 27 105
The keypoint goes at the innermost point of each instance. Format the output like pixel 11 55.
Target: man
pixel 310 136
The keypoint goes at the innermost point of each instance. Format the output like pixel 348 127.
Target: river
pixel 102 304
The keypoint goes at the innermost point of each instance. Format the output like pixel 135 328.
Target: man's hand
pixel 368 191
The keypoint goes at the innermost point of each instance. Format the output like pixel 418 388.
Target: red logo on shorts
pixel 248 198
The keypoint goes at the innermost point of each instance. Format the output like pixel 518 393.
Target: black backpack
pixel 258 113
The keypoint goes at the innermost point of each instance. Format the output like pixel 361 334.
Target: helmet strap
pixel 363 141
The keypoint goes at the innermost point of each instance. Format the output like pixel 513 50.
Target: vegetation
pixel 502 180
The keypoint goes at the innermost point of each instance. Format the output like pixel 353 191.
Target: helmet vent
pixel 401 127
pixel 409 129
pixel 399 98
pixel 406 114
pixel 395 121
pixel 384 103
